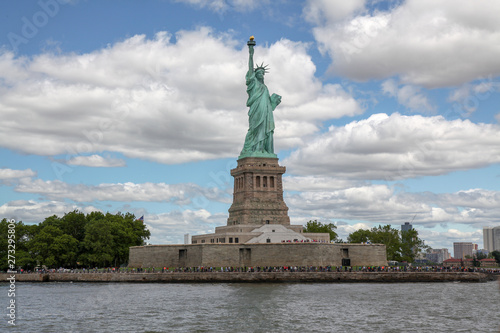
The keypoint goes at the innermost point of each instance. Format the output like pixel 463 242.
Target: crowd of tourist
pixel 269 269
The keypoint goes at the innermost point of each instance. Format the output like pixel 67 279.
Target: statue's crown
pixel 262 67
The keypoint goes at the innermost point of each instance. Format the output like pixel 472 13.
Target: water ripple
pixel 404 307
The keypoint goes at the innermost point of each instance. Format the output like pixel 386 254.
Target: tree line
pixel 74 240
pixel 400 245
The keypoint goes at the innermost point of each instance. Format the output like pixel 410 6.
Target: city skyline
pixel 491 238
pixel 140 107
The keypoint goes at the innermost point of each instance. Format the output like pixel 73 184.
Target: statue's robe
pixel 260 117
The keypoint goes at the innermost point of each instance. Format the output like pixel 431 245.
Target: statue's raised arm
pixel 250 55
pixel 259 139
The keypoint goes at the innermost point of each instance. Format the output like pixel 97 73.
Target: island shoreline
pixel 255 277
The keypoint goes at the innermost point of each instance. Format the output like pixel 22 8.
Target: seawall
pixel 256 277
pixel 258 254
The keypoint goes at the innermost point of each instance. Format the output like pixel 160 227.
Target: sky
pixel 390 111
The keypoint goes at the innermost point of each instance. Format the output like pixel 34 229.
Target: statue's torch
pixel 251 42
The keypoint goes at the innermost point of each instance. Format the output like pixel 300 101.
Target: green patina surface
pixel 259 138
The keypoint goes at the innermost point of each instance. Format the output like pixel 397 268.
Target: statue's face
pixel 259 74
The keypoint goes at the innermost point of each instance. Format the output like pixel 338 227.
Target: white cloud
pixel 158 100
pixel 96 161
pixel 373 203
pixel 170 227
pixel 467 98
pixel 9 174
pixel 408 96
pixel 390 87
pixel 311 183
pixel 221 6
pixel 33 211
pixel 181 194
pixel 364 205
pixel 321 11
pixel 343 229
pixel 460 235
pixel 398 147
pixel 445 239
pixel 411 97
pixel 332 102
pixel 379 204
pixel 428 43
pixel 165 228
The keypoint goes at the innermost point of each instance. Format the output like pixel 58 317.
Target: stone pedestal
pixel 258 193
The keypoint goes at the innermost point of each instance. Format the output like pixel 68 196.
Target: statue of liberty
pixel 259 139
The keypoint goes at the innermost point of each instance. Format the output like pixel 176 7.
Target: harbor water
pixel 247 307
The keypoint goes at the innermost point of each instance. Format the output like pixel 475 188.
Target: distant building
pixel 488 263
pixel 438 255
pixel 421 261
pixel 406 227
pixel 187 239
pixel 483 251
pixel 462 249
pixel 469 263
pixel 457 262
pixel 432 257
pixel 491 238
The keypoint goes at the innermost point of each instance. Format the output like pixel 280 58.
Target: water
pixel 315 307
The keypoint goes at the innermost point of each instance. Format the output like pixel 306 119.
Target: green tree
pixel 475 262
pixel 481 255
pixel 95 239
pixel 98 243
pixel 411 245
pixel 318 227
pixel 52 221
pixel 359 236
pixel 4 233
pixel 127 231
pixel 73 224
pixel 40 246
pixel 65 250
pixel 399 245
pixel 23 234
pixel 108 238
pixel 52 247
pixel 391 238
pixel 496 256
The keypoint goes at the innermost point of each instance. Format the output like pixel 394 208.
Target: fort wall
pixel 274 254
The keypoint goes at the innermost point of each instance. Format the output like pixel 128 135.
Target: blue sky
pixel 390 111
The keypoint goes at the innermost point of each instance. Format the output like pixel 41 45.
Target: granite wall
pixel 274 254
